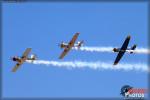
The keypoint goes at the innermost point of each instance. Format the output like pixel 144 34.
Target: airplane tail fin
pixel 133 47
pixel 80 43
pixel 33 57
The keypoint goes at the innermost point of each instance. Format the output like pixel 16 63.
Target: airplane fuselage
pixel 17 59
pixel 129 50
pixel 21 59
pixel 66 45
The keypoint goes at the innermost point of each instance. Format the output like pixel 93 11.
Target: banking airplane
pixel 123 49
pixel 22 59
pixel 68 46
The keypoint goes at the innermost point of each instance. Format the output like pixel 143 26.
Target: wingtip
pixel 115 63
pixel 128 36
pixel 13 71
pixel 60 58
pixel 29 48
pixel 78 33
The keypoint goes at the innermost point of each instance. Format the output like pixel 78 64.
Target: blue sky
pixel 42 26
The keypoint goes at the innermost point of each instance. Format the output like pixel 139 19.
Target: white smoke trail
pixel 95 49
pixel 110 49
pixel 94 65
pixel 142 51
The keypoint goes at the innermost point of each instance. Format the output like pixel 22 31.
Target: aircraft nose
pixel 13 58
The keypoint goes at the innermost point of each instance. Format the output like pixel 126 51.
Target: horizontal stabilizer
pixel 133 47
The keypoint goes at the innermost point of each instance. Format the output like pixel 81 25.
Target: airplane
pixel 68 46
pixel 23 58
pixel 123 49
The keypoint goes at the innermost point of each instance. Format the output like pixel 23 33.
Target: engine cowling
pixel 63 44
pixel 115 50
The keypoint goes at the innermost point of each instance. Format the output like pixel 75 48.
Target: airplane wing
pixel 122 50
pixel 125 44
pixel 26 53
pixel 119 56
pixel 64 53
pixel 70 45
pixel 16 67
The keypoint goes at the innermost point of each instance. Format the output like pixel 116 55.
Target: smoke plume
pixel 93 65
pixel 110 49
